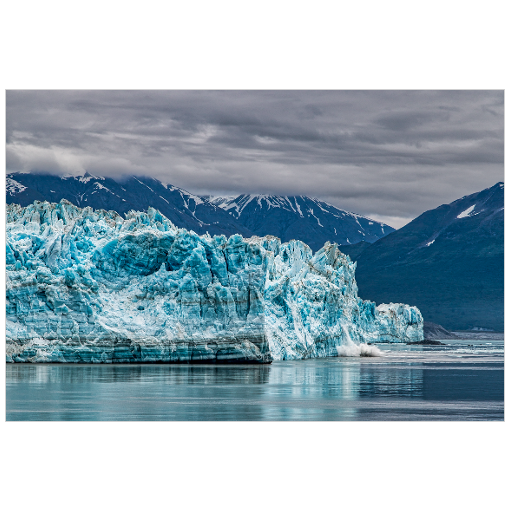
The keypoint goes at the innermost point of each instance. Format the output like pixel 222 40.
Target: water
pixel 462 380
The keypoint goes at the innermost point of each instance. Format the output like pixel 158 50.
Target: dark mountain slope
pixel 449 262
pixel 355 250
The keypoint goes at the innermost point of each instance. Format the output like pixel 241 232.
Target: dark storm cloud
pixel 386 154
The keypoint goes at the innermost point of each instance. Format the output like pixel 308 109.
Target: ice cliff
pixel 91 286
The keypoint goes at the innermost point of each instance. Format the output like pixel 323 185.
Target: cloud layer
pixel 386 154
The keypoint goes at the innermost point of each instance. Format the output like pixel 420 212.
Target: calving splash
pixel 91 286
pixel 351 349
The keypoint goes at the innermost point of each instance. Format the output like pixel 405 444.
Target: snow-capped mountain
pixel 294 217
pixel 449 262
pixel 135 193
pixel 301 217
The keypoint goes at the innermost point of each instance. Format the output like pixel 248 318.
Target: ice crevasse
pixel 88 285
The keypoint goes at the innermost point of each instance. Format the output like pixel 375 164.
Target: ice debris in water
pixel 91 286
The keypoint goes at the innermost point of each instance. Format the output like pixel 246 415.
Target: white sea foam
pixel 352 350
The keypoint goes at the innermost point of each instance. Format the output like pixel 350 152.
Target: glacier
pixel 89 286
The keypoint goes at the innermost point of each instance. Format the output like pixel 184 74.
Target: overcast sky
pixel 389 155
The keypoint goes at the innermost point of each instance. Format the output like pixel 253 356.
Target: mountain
pixel 300 217
pixel 135 193
pixel 294 217
pixel 433 331
pixel 448 262
pixel 16 192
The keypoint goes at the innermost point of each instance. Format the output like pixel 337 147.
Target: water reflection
pixel 394 382
pixel 402 385
pixel 176 374
pixel 301 390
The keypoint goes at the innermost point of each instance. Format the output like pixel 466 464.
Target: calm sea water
pixel 462 380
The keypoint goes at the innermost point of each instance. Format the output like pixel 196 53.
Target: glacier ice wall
pixel 312 305
pixel 91 286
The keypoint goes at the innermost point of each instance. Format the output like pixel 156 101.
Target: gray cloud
pixel 386 154
pixel 406 121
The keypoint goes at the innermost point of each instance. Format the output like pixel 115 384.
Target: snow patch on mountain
pixel 88 177
pixel 467 212
pixel 13 187
pixel 298 208
pixel 100 186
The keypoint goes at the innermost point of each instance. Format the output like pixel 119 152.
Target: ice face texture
pixel 90 286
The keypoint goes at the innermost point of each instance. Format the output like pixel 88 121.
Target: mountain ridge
pixel 301 217
pixel 295 217
pixel 133 193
